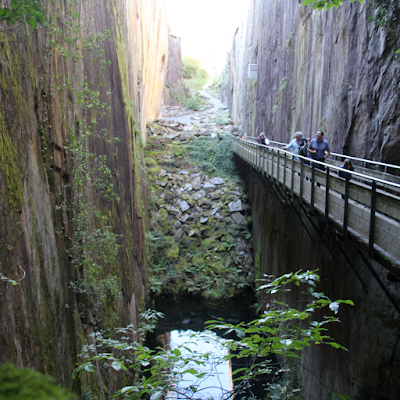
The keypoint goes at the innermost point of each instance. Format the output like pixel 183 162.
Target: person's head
pixel 347 164
pixel 320 135
pixel 261 134
pixel 308 141
pixel 298 136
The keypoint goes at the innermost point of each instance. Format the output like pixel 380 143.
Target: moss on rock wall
pixel 73 201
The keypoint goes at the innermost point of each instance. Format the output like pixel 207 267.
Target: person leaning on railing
pixel 295 144
pixel 261 139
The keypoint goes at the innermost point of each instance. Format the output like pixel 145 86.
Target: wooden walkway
pixel 364 209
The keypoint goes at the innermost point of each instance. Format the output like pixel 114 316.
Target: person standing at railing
pixel 347 165
pixel 319 149
pixel 304 150
pixel 261 139
pixel 295 145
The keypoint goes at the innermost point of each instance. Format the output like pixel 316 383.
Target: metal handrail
pixel 378 163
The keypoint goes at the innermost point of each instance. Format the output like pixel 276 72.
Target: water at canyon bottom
pixel 184 324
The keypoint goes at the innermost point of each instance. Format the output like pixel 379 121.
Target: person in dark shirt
pixel 304 152
pixel 347 166
pixel 261 139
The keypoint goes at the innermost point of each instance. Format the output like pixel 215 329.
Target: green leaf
pixel 128 389
pixel 88 368
pixel 307 2
pixel 240 333
pixel 190 371
pixel 31 22
pixel 156 395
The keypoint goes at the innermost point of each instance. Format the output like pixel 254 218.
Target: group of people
pixel 316 149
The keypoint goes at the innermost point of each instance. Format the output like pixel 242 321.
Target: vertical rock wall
pixel 332 70
pixel 173 84
pixel 95 70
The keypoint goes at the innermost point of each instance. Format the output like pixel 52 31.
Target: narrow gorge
pixel 116 196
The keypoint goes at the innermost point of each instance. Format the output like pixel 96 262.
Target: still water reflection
pixel 216 382
pixel 184 324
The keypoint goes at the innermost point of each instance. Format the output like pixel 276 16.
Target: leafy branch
pixel 321 4
pixel 281 330
pixel 20 11
pixel 13 281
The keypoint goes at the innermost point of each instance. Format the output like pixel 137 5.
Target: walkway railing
pixel 368 167
pixel 359 207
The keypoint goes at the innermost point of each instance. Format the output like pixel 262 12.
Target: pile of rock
pixel 199 214
pixel 201 124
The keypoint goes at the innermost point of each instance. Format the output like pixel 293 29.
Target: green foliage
pixel 147 373
pixel 190 67
pixel 194 102
pixel 385 17
pixel 24 384
pixel 321 4
pixel 20 11
pixel 283 84
pixel 214 87
pixel 282 330
pixel 95 245
pixel 194 77
pixel 222 119
pixel 93 241
pixel 197 81
pixel 214 155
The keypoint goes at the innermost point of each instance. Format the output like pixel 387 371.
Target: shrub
pixel 18 384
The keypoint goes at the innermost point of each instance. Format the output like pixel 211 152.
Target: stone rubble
pixel 202 123
pixel 191 208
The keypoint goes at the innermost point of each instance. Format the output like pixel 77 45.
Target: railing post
pixel 292 183
pixel 267 162
pixel 312 200
pixel 284 170
pixel 272 165
pixel 301 181
pixel 346 206
pixel 278 156
pixel 372 220
pixel 327 197
pixel 263 161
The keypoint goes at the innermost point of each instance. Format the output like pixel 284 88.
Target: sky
pixel 206 28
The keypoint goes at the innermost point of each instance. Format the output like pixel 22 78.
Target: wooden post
pixel 346 206
pixel 372 221
pixel 327 197
pixel 292 183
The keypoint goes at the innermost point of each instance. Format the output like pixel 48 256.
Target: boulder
pixel 239 218
pixel 213 195
pixel 217 181
pixel 184 205
pixel 209 187
pixel 184 218
pixel 198 195
pixel 235 206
